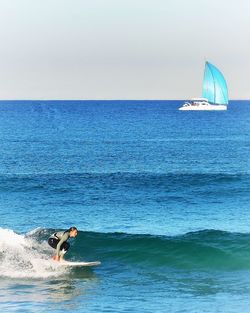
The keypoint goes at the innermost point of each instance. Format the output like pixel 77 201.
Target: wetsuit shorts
pixel 53 242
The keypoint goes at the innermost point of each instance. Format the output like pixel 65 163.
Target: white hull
pixel 203 107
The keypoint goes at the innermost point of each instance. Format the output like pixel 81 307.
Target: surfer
pixel 59 242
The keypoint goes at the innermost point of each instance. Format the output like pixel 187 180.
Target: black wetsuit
pixel 59 242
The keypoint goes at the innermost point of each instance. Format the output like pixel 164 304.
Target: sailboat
pixel 214 92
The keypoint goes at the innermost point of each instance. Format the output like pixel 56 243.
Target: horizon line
pixel 61 99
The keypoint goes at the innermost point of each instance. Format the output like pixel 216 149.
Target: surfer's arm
pixel 62 240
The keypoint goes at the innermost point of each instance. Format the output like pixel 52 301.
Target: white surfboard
pixel 79 264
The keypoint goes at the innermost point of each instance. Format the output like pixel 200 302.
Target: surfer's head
pixel 73 231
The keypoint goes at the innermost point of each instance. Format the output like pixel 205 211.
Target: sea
pixel 160 197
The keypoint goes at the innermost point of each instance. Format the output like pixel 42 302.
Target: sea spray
pixel 24 257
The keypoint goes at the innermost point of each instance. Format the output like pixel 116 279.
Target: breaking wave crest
pixel 21 256
pixel 30 256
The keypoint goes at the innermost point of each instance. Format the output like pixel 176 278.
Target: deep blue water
pixel 161 197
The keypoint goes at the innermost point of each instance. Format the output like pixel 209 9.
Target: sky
pixel 121 49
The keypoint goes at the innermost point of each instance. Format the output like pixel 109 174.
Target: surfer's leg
pixel 64 248
pixel 62 252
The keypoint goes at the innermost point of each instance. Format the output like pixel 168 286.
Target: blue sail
pixel 214 85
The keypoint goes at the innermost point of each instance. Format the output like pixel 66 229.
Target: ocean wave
pixel 29 256
pixel 63 182
pixel 207 249
pixel 24 257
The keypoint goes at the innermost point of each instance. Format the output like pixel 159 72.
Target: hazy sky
pixel 121 49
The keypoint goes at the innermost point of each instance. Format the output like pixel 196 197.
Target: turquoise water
pixel 161 198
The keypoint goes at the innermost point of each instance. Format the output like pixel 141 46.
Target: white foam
pixel 25 257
